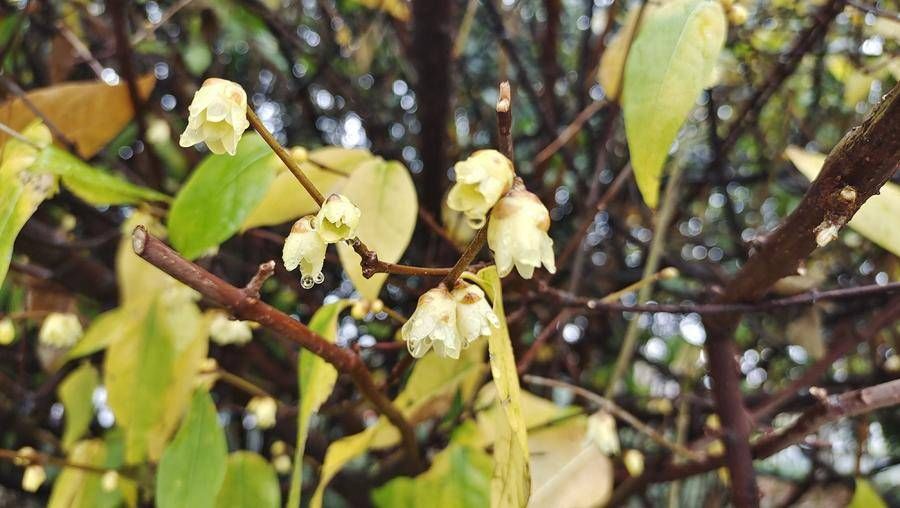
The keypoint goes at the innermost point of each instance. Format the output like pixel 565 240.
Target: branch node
pixel 263 273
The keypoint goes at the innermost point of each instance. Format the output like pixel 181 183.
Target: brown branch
pixel 245 307
pixel 262 274
pixel 855 170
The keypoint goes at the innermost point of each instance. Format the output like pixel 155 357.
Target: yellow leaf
pixel 568 470
pixel 396 8
pixel 287 200
pixel 89 113
pixel 610 72
pixel 76 393
pixel 879 217
pixel 511 482
pixel 339 453
pixel 385 193
pixel 77 488
pixel 671 60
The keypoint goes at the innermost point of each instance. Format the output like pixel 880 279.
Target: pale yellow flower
pixel 337 219
pixel 517 233
pixel 33 478
pixel 433 324
pixel 480 182
pixel 474 316
pixel 109 481
pixel 634 462
pixel 265 410
pixel 7 332
pixel 601 431
pixel 304 247
pixel 60 330
pixel 224 331
pixel 218 116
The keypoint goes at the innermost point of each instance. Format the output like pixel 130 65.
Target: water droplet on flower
pixel 307 282
pixel 320 278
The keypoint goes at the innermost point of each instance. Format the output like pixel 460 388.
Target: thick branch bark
pixel 856 169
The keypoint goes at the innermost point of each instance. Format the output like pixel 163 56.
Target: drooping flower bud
pixel 224 331
pixel 33 478
pixel 305 248
pixel 480 181
pixel 634 462
pixel 337 219
pixel 433 324
pixel 7 332
pixel 109 481
pixel 517 233
pixel 60 330
pixel 264 409
pixel 474 316
pixel 601 430
pixel 218 116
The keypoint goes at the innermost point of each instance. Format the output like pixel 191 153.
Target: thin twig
pixel 617 411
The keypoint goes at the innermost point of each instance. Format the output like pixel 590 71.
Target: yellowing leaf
pixel 21 191
pixel 511 482
pixel 865 496
pixel 78 488
pixel 139 280
pixel 670 61
pixel 89 113
pixel 385 193
pixel 610 72
pixel 192 468
pixel 104 330
pixel 879 217
pixel 76 394
pixel 219 196
pixel 287 200
pixel 250 482
pixel 316 378
pixel 339 453
pixel 459 477
pixel 396 8
pixel 536 411
pixel 91 184
pixel 567 469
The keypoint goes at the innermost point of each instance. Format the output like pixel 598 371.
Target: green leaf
pixel 91 184
pixel 193 466
pixel 866 496
pixel 878 219
pixel 511 482
pixel 76 393
pixel 219 196
pixel 287 200
pixel 78 488
pixel 21 191
pixel 107 328
pixel 459 477
pixel 316 379
pixel 670 62
pixel 385 194
pixel 250 482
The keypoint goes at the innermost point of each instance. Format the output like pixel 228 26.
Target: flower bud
pixel 634 462
pixel 474 316
pixel 218 116
pixel 278 448
pixel 517 233
pixel 60 330
pixel 337 219
pixel 109 481
pixel 433 324
pixel 282 464
pixel 7 332
pixel 224 331
pixel 265 410
pixel 737 15
pixel 33 478
pixel 480 181
pixel 299 154
pixel 359 310
pixel 601 431
pixel 305 248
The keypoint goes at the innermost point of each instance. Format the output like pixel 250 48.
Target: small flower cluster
pixel 60 330
pixel 304 247
pixel 448 321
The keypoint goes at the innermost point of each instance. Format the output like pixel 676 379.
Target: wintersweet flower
pixel 304 247
pixel 60 330
pixel 433 324
pixel 264 409
pixel 337 219
pixel 474 316
pixel 480 181
pixel 224 331
pixel 218 116
pixel 33 478
pixel 517 233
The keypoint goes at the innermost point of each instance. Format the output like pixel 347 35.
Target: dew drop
pixel 320 278
pixel 307 282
